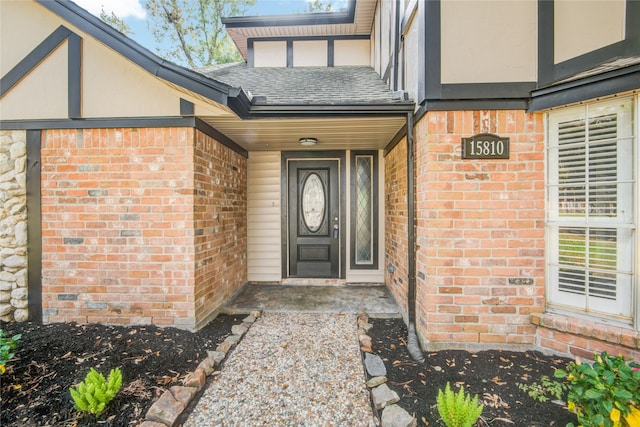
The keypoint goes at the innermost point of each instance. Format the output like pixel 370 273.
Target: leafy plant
pixel 95 392
pixel 545 390
pixel 458 409
pixel 605 393
pixel 7 344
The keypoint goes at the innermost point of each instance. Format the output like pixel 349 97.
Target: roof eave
pixel 568 92
pixel 329 110
pixel 326 18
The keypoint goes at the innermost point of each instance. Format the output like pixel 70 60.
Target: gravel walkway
pixel 290 369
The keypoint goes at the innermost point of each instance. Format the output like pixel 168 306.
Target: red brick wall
pixel 480 230
pixel 220 224
pixel 395 202
pixel 119 226
pixel 582 338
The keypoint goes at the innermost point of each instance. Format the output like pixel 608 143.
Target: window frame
pixel 353 211
pixel 555 222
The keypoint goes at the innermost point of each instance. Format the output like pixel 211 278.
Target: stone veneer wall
pixel 13 227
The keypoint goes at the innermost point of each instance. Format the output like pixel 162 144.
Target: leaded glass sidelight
pixel 313 202
pixel 364 210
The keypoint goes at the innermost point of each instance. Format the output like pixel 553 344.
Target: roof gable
pixel 136 53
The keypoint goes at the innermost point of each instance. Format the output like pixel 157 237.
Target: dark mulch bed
pixel 51 358
pixel 491 375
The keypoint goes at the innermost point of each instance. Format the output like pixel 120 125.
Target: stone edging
pixel 166 411
pixel 382 397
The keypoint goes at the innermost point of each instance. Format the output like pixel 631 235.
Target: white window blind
pixel 590 218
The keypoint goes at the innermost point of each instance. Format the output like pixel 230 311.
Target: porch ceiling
pixel 332 133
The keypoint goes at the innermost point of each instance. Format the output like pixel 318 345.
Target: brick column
pixel 480 227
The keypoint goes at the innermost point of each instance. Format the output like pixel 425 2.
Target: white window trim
pixel 551 238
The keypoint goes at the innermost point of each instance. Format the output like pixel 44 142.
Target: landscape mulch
pixel 491 375
pixel 51 358
pixel 34 390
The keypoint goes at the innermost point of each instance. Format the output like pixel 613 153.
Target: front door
pixel 314 218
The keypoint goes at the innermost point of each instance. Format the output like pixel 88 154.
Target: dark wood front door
pixel 314 218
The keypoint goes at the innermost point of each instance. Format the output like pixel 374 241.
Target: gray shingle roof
pixel 306 85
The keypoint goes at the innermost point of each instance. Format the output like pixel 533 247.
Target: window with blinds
pixel 590 197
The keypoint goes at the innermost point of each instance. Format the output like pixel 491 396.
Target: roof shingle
pixel 353 85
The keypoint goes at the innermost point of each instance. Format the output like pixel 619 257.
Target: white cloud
pixel 121 8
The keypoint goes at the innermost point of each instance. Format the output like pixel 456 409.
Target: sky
pixel 134 13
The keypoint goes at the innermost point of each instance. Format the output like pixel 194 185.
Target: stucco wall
pixel 13 227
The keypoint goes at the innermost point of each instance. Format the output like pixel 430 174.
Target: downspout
pixel 413 344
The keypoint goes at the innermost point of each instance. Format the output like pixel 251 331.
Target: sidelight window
pixel 364 204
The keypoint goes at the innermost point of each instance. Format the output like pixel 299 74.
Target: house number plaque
pixel 485 146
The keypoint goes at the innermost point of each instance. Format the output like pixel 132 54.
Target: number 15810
pixel 486 148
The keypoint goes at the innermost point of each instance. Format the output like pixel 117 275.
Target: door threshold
pixel 313 282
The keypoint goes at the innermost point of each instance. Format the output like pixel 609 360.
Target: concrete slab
pixel 374 299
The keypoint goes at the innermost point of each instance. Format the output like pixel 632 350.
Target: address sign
pixel 485 146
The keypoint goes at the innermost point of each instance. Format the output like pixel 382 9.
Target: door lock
pixel 336 231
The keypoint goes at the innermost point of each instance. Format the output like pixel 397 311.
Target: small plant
pixel 6 346
pixel 458 409
pixel 95 392
pixel 603 394
pixel 545 390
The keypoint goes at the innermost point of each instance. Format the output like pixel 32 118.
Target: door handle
pixel 336 231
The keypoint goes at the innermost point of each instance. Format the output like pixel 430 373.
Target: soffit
pixel 333 133
pixel 361 26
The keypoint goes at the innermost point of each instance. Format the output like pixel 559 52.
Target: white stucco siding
pixel 310 53
pixel 580 27
pixel 351 52
pixel 270 54
pixel 488 41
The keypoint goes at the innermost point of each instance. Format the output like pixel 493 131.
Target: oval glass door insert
pixel 313 202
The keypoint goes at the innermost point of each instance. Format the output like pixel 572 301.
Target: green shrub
pixel 605 393
pixel 458 409
pixel 6 345
pixel 95 392
pixel 545 390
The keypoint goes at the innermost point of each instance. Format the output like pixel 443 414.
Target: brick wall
pixel 581 337
pixel 480 231
pixel 395 200
pixel 220 224
pixel 118 226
